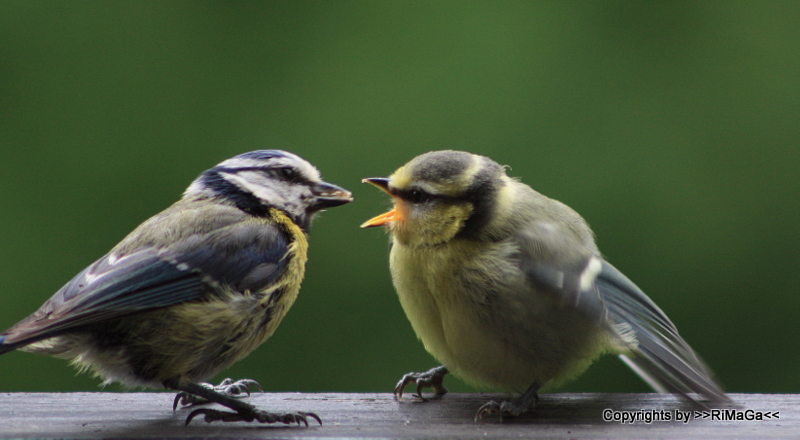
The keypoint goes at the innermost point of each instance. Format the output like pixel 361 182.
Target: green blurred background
pixel 672 127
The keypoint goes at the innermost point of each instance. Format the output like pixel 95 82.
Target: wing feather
pixel 243 257
pixel 582 279
pixel 658 349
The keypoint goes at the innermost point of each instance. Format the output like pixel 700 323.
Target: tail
pixel 656 351
pixel 5 348
pixel 673 374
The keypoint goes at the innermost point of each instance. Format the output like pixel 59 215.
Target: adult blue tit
pixel 507 289
pixel 193 289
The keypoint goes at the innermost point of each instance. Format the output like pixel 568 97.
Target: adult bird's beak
pixel 329 195
pixel 383 184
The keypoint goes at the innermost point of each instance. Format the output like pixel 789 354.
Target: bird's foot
pixel 432 378
pixel 228 387
pixel 507 408
pixel 213 415
pixel 511 408
pixel 227 394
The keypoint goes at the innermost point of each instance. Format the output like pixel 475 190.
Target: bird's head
pixel 263 179
pixel 440 195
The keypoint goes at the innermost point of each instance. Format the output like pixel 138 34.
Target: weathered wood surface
pixel 349 415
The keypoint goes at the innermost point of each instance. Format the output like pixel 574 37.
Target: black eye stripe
pixel 416 195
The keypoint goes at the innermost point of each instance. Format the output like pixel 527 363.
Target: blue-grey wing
pixel 246 256
pixel 243 257
pixel 110 287
pixel 655 350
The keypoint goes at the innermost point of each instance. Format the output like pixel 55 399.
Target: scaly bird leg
pixel 511 408
pixel 244 412
pixel 227 387
pixel 432 378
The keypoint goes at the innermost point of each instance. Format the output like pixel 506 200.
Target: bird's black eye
pixel 417 196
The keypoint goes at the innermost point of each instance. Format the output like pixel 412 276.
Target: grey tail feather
pixel 676 377
pixel 642 372
pixel 3 347
pixel 657 352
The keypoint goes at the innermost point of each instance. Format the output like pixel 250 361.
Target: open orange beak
pixel 383 184
pixel 380 220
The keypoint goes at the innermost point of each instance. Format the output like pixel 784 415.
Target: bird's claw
pixel 510 408
pixel 507 408
pixel 185 399
pixel 232 388
pixel 213 415
pixel 228 387
pixel 432 378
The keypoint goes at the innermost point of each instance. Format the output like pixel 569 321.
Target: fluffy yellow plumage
pixel 507 288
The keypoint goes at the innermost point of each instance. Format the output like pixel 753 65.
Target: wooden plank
pixel 365 415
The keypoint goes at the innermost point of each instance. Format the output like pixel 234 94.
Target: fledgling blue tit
pixel 507 289
pixel 193 289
